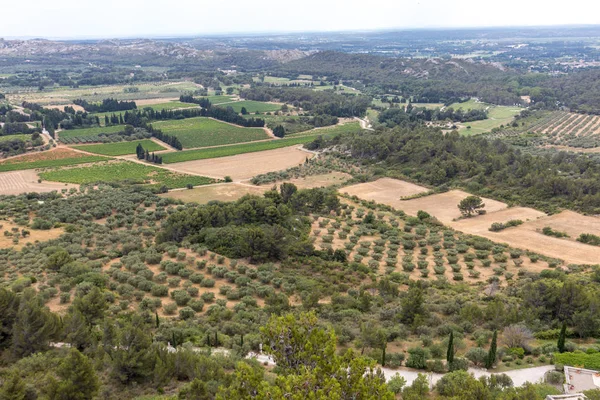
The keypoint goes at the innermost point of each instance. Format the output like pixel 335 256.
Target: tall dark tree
pixel 491 357
pixel 562 337
pixel 450 351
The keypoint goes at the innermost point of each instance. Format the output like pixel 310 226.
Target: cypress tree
pixel 562 338
pixel 106 122
pixel 491 357
pixel 216 339
pixel 383 354
pixel 157 320
pixel 450 352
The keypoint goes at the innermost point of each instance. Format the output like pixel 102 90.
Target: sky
pixel 160 18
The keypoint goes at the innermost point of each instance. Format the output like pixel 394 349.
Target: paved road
pixel 519 376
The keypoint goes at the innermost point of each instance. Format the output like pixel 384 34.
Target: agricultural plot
pixel 410 248
pixel 120 148
pixel 569 129
pixel 26 181
pixel 330 131
pixel 90 132
pixel 253 106
pixel 204 132
pixel 124 172
pixel 172 105
pixel 526 236
pixel 242 166
pixel 48 159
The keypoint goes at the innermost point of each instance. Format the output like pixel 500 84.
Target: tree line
pixel 107 105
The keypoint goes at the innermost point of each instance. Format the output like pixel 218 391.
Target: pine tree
pixel 450 352
pixel 491 357
pixel 106 121
pixel 562 338
pixel 78 378
pixel 34 326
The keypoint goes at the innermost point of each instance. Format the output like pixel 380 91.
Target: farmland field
pixel 26 181
pixel 526 236
pixel 172 105
pixel 570 129
pixel 225 151
pixel 497 116
pixel 120 148
pixel 245 166
pixel 125 172
pixel 253 106
pixel 47 159
pixel 86 132
pixel 329 131
pixel 6 138
pixel 203 132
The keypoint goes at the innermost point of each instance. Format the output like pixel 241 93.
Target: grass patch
pixel 172 105
pixel 124 172
pixel 7 138
pixel 73 133
pixel 203 132
pixel 120 148
pixel 253 106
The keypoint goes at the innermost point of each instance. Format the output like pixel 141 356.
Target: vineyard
pixel 120 148
pixel 124 172
pixel 569 129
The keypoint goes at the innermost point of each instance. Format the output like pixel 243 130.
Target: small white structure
pixel 578 396
pixel 581 379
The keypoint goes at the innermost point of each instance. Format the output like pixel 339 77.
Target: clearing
pixel 385 190
pixel 234 191
pixel 17 182
pixel 35 235
pixel 172 105
pixel 23 137
pixel 203 132
pixel 120 148
pixel 243 166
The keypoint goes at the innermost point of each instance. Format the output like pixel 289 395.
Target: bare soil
pixel 527 236
pixel 17 182
pixel 41 235
pixel 385 190
pixel 245 166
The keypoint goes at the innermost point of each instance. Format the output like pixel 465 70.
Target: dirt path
pixel 364 123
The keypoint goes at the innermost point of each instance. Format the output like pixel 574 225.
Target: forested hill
pixel 436 80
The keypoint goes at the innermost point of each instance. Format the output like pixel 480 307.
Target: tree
pixel 491 358
pixel 562 338
pixel 461 385
pixel 279 131
pixel 34 326
pixel 13 388
pixel 418 390
pixel 470 205
pixel 91 305
pixel 244 111
pixel 78 379
pixel 412 303
pixel 58 259
pixel 450 351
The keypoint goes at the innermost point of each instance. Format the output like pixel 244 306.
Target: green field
pixel 253 106
pixel 203 132
pixel 201 154
pixel 72 133
pixel 172 105
pixel 124 172
pixel 15 165
pixel 120 148
pixel 470 105
pixel 497 115
pixel 12 137
pixel 352 127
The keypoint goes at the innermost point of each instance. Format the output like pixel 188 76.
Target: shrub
pixel 476 355
pixel 589 361
pixel 186 313
pixel 396 383
pixel 459 364
pixel 418 358
pixel 170 308
pixel 181 297
pixel 197 305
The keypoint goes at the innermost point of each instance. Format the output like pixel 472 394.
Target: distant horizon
pixel 293 32
pixel 89 20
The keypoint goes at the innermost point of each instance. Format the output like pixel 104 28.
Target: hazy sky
pixel 137 18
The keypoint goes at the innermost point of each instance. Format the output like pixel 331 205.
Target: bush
pixel 394 360
pixel 186 313
pixel 396 383
pixel 459 364
pixel 170 308
pixel 181 297
pixel 476 355
pixel 196 305
pixel 589 361
pixel 418 358
pixel 554 378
